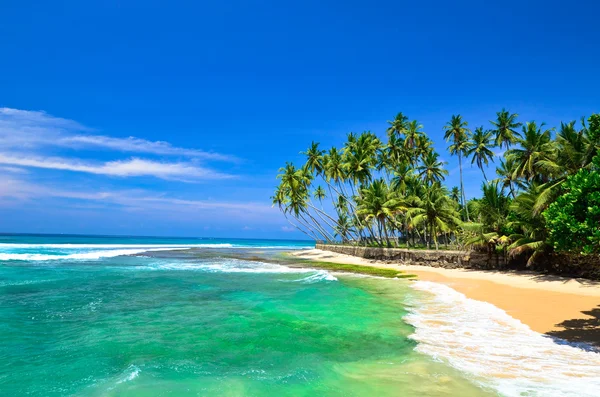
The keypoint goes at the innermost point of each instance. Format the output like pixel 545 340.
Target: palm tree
pixel 397 126
pixel 532 235
pixel 455 194
pixel 506 173
pixel 432 169
pixel 343 227
pixel 458 133
pixel 479 149
pixel 411 141
pixel 505 128
pixel 435 211
pixel 314 158
pixel 402 173
pixel 536 149
pixel 319 193
pixel 377 203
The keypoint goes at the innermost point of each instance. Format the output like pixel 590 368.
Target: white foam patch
pixel 105 246
pixel 78 256
pixel 320 275
pixel 498 350
pixel 243 266
pixel 4 246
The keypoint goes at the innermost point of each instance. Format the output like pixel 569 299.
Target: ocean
pixel 149 316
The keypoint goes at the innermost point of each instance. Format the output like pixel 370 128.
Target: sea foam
pixel 498 350
pixel 77 256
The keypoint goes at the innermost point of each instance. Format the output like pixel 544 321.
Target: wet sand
pixel 557 306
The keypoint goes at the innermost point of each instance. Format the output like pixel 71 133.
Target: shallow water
pixel 219 320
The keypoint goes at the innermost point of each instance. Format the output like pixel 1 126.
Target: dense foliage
pixel 574 218
pixel 390 192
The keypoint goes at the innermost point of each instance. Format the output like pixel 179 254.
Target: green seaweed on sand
pixel 358 269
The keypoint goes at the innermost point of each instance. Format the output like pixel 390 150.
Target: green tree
pixel 574 218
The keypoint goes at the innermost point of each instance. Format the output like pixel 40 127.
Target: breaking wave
pixel 499 351
pixel 77 256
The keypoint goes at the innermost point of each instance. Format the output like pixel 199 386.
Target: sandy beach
pixel 557 306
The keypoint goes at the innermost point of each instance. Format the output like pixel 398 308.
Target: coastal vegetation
pixel 390 192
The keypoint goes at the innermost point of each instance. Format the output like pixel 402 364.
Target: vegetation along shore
pixel 540 211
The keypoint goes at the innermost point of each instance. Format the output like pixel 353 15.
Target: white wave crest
pixel 320 275
pixel 110 246
pixel 243 266
pixel 500 351
pixel 77 256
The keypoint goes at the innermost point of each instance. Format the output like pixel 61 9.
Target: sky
pixel 172 118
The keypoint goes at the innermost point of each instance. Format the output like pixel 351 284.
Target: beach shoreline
pixel 561 307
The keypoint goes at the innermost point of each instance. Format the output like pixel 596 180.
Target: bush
pixel 573 220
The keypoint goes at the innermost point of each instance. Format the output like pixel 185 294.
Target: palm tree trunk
pixel 512 190
pixel 462 188
pixel 482 170
pixel 387 238
pixel 311 235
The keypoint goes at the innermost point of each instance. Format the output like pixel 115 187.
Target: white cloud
pixel 138 200
pixel 122 168
pixel 26 128
pixel 288 229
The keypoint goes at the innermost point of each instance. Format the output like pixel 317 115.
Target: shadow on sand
pixel 581 330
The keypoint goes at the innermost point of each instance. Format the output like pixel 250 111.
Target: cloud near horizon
pixel 132 199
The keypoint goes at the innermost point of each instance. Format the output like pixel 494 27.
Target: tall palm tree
pixel 458 133
pixel 479 149
pixel 505 127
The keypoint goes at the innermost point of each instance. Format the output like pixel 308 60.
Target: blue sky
pixel 172 118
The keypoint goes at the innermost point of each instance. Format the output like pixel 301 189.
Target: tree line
pixel 545 195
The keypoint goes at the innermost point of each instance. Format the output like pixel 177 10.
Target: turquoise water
pixel 81 319
pixel 130 316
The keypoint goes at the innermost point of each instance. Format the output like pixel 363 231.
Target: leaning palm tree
pixel 458 133
pixel 505 128
pixel 479 149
